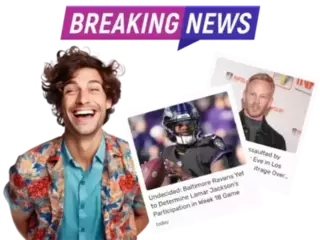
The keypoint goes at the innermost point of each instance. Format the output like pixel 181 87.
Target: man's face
pixel 84 102
pixel 257 98
pixel 184 128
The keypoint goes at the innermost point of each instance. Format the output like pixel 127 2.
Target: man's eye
pixel 70 91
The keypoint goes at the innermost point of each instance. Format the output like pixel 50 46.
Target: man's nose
pixel 184 126
pixel 256 100
pixel 83 97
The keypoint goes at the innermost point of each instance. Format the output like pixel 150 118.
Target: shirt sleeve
pixel 138 202
pixel 219 150
pixel 15 191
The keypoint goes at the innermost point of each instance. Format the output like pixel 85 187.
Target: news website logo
pixel 235 78
pixel 296 132
pixel 277 109
pixel 283 81
pixel 229 76
pixel 188 24
pixel 304 86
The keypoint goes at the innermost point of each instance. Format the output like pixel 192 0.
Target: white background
pixel 289 106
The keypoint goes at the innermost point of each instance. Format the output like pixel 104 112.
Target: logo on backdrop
pixel 296 132
pixel 233 77
pixel 304 86
pixel 283 81
pixel 277 109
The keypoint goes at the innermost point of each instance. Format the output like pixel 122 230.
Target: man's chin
pixel 255 114
pixel 85 130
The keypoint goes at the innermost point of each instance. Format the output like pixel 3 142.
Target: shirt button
pixel 82 205
pixel 82 229
pixel 82 182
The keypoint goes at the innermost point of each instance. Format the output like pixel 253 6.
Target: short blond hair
pixel 263 77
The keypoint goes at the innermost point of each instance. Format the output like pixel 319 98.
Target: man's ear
pixel 270 103
pixel 58 108
pixel 109 104
pixel 244 95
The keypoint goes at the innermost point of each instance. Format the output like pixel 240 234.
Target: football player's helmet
pixel 182 114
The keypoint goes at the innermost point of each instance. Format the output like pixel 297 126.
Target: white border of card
pixel 237 190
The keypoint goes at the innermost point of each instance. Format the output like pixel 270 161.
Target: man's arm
pixel 21 222
pixel 140 212
pixel 141 219
pixel 139 209
pixel 219 160
pixel 16 194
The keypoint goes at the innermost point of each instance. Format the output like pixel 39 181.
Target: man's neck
pixel 259 118
pixel 83 148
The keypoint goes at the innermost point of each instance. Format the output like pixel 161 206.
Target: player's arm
pixel 219 160
pixel 16 193
pixel 166 180
pixel 218 165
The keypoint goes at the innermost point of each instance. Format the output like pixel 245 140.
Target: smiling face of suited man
pixel 257 98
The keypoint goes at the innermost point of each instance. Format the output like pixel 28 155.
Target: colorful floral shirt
pixel 36 186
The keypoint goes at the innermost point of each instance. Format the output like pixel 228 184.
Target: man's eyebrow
pixel 70 82
pixel 74 82
pixel 95 81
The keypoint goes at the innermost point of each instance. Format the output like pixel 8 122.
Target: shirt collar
pixel 99 156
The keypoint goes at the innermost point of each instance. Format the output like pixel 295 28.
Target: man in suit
pixel 257 100
pixel 83 184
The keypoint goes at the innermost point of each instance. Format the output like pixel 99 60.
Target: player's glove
pixel 174 170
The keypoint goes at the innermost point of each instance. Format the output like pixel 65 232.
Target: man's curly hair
pixel 68 62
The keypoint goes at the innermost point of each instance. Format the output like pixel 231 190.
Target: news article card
pixel 219 178
pixel 272 140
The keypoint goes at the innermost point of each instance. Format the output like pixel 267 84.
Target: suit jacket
pixel 266 135
pixel 37 186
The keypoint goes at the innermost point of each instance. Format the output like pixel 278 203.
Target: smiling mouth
pixel 185 133
pixel 84 114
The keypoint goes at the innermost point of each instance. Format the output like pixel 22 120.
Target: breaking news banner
pixel 188 24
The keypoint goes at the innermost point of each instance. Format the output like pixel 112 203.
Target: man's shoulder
pixel 275 133
pixel 167 150
pixel 116 140
pixel 37 155
pixel 279 141
pixel 120 146
pixel 212 141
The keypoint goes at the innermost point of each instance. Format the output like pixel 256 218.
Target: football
pixel 153 173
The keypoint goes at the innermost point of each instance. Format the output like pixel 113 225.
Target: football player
pixel 192 155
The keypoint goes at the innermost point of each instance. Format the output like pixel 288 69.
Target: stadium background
pixel 216 117
pixel 114 126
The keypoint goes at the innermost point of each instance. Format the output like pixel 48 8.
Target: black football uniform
pixel 198 158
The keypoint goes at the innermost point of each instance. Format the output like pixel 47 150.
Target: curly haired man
pixel 81 185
